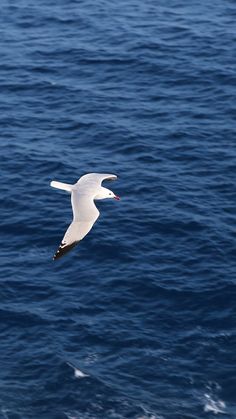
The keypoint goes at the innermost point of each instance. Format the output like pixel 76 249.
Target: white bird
pixel 85 213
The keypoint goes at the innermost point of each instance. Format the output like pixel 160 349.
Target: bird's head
pixel 104 193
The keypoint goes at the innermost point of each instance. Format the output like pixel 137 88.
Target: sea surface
pixel 138 320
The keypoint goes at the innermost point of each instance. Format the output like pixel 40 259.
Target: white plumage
pixel 85 213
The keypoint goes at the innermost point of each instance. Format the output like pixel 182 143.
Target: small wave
pixel 213 405
pixel 148 414
pixel 4 413
pixel 71 416
pixel 77 373
pixel 150 417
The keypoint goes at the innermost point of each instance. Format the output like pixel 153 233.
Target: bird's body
pixel 85 213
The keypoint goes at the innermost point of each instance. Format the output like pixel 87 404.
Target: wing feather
pixel 94 180
pixel 85 214
pixel 63 249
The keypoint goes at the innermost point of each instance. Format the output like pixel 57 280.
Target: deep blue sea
pixel 139 320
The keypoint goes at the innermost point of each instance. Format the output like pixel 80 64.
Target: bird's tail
pixel 59 185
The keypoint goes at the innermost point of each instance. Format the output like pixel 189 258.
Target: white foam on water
pixel 213 405
pixel 77 373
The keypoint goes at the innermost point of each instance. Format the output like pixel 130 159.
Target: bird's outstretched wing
pixel 93 180
pixel 90 181
pixel 85 214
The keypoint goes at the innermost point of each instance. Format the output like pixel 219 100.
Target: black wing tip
pixel 63 249
pixel 111 178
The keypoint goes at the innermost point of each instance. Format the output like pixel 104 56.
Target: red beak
pixel 117 198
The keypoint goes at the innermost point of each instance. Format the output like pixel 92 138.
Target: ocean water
pixel 138 321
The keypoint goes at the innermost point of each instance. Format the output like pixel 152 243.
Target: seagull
pixel 83 193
